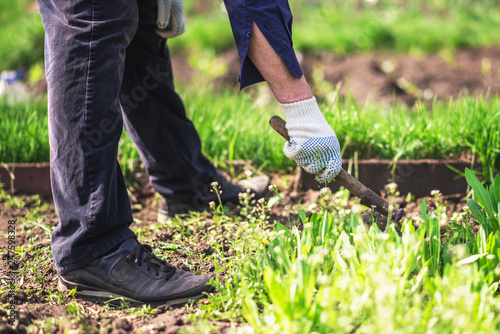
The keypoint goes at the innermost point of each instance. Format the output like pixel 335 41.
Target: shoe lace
pixel 144 254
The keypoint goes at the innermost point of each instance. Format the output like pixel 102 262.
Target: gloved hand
pixel 171 21
pixel 313 143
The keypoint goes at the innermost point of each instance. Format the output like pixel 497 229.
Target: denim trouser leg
pixel 155 118
pixel 85 53
pixel 93 61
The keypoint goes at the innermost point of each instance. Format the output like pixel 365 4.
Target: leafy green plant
pixel 487 208
pixel 486 211
pixel 432 250
pixel 336 275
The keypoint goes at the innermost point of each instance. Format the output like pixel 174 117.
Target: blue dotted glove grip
pixel 317 156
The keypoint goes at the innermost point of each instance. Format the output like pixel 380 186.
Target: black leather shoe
pixel 135 274
pixel 169 206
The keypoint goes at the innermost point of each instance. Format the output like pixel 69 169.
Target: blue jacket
pixel 274 19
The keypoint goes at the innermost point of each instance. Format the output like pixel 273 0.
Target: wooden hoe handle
pixel 368 197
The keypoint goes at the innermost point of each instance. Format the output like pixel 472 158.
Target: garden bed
pixel 26 178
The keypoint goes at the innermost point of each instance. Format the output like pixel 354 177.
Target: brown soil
pixel 384 77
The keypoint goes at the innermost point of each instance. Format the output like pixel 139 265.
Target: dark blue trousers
pixel 106 68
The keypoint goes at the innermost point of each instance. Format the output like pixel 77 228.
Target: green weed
pixel 487 213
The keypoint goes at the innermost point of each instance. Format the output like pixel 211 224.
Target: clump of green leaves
pixel 486 210
pixel 337 275
pixel 332 273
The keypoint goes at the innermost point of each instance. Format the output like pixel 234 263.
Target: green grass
pixel 21 35
pixel 24 133
pixel 234 126
pixel 452 128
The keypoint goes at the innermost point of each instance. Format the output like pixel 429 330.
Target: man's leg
pixel 85 51
pixel 94 250
pixel 155 119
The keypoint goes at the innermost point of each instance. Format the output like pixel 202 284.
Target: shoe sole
pixel 88 292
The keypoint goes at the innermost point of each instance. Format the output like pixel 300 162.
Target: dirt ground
pixel 380 77
pixel 384 77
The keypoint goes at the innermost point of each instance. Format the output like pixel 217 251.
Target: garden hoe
pixel 368 198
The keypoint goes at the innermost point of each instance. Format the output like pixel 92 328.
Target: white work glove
pixel 171 21
pixel 313 143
